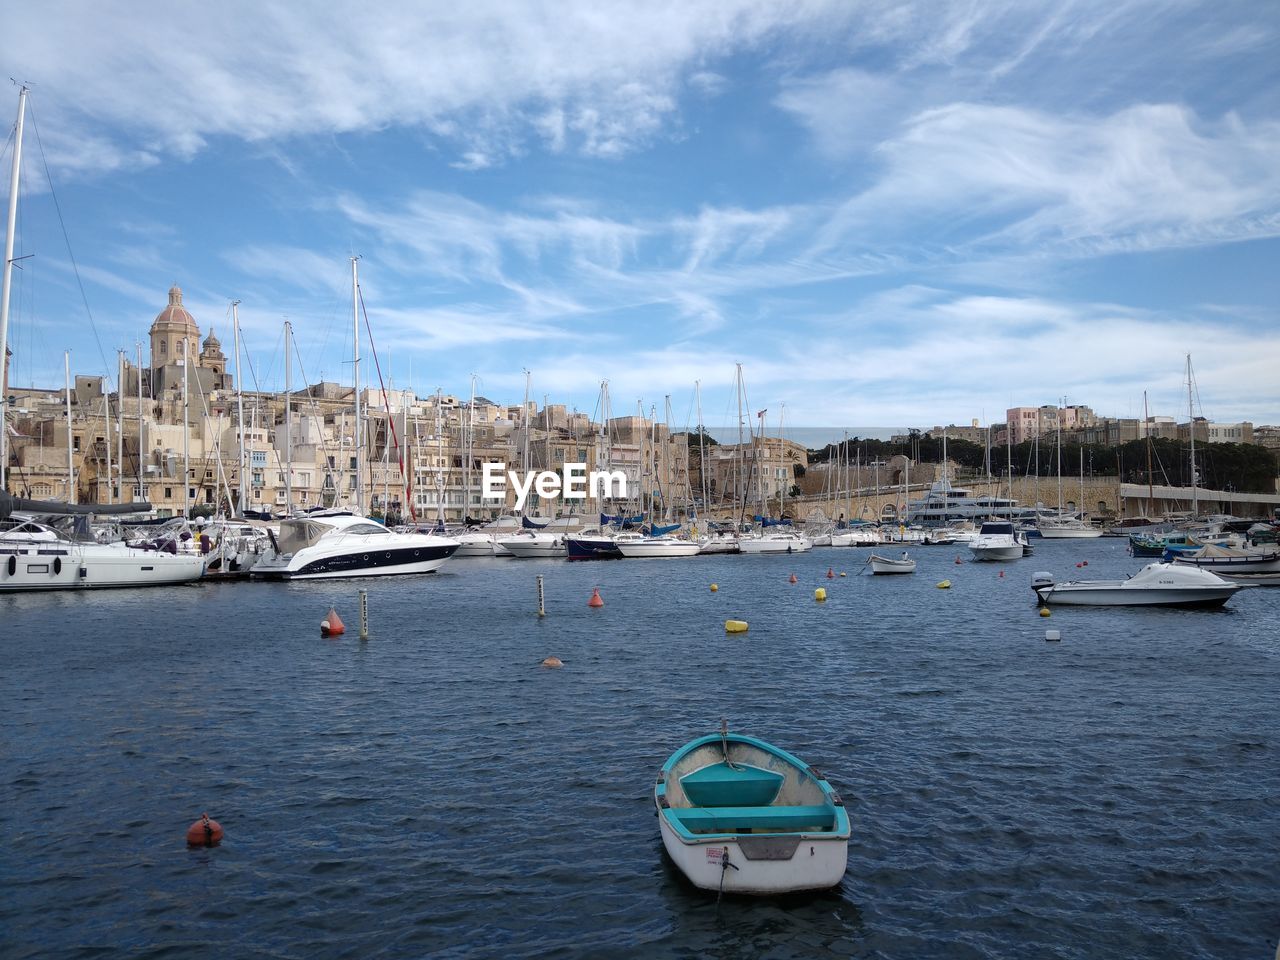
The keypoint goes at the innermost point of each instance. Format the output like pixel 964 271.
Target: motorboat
pixel 880 564
pixel 635 546
pixel 35 556
pixel 1155 585
pixel 739 815
pixel 1225 560
pixel 474 543
pixel 532 544
pixel 594 543
pixel 775 542
pixel 998 541
pixel 862 535
pixel 323 545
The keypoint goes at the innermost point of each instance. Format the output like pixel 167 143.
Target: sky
pixel 891 214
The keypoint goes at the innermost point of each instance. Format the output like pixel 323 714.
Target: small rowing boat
pixel 739 815
pixel 888 565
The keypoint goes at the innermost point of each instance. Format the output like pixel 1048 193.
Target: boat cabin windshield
pixel 1002 526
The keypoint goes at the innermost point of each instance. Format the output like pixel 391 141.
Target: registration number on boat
pixel 715 854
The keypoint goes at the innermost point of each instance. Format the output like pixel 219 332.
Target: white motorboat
pixel 324 545
pixel 34 556
pixel 860 536
pixel 1229 561
pixel 633 546
pixel 889 565
pixel 474 543
pixel 1068 528
pixel 532 544
pixel 719 543
pixel 998 541
pixel 775 542
pixel 1155 585
pixel 739 815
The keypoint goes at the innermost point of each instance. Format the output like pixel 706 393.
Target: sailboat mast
pixel 468 442
pixel 120 421
pixel 240 465
pixel 186 433
pixel 1191 423
pixel 702 455
pixel 738 486
pixel 1059 444
pixel 71 464
pixel 1151 490
pixel 142 494
pixel 288 422
pixel 355 365
pixel 11 226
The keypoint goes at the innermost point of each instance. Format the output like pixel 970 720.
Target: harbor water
pixel 435 792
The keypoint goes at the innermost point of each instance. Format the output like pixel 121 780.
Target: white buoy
pixel 1052 635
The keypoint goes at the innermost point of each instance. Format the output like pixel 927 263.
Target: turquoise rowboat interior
pixel 758 788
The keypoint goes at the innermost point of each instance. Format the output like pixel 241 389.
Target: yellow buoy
pixel 820 594
pixel 945 585
pixel 735 626
pixel 843 574
pixel 1044 611
pixel 715 587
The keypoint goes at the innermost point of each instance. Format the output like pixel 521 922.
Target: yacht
pixel 775 542
pixel 633 545
pixel 944 504
pixel 530 544
pixel 1068 528
pixel 34 556
pixel 345 545
pixel 997 540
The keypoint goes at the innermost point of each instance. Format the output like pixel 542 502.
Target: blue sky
pixel 890 213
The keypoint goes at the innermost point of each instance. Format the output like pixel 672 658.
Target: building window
pixel 164 348
pixel 168 493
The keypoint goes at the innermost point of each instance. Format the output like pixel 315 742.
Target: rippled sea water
pixel 434 792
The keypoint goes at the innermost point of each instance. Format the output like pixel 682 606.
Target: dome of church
pixel 175 317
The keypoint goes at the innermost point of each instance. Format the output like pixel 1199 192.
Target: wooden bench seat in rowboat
pixel 731 819
pixel 739 785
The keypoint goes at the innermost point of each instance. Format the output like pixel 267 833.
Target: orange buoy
pixel 204 832
pixel 1002 573
pixel 958 560
pixel 553 662
pixel 595 600
pixel 831 574
pixel 793 579
pixel 332 625
pixel 1079 565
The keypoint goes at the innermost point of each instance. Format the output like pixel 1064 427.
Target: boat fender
pixel 13 566
pixel 596 600
pixel 204 832
pixel 57 565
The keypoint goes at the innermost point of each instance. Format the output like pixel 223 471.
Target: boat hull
pixel 815 863
pixel 765 545
pixel 996 552
pixel 641 550
pixel 61 567
pixel 327 565
pixel 1066 595
pixel 1070 533
pixel 592 548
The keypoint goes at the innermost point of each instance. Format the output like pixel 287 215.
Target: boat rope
pixel 724 745
pixel 725 864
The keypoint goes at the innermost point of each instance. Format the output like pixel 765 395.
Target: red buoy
pixel 204 832
pixel 831 574
pixel 958 560
pixel 595 600
pixel 1084 563
pixel 1002 573
pixel 332 625
pixel 793 579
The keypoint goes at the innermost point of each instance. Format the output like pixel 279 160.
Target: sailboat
pixel 339 543
pixel 35 553
pixel 1066 526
